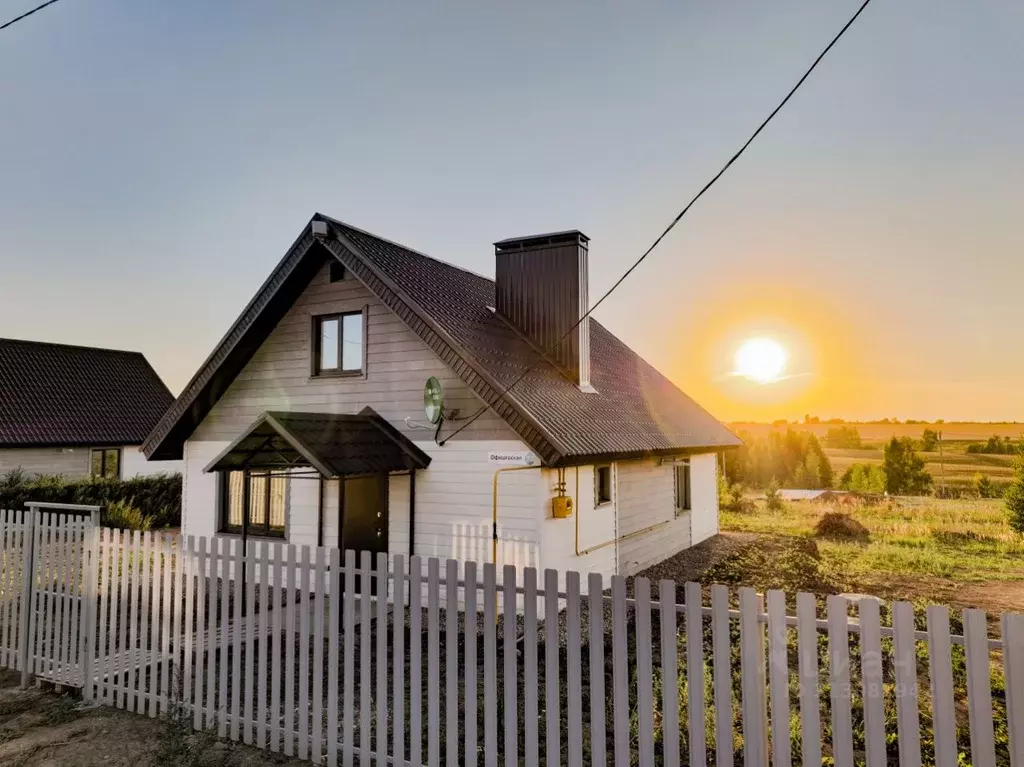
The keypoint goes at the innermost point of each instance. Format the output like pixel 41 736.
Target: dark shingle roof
pixel 636 410
pixel 53 395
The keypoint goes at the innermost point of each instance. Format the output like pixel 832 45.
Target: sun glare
pixel 761 360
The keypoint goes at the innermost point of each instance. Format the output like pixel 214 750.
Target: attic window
pixel 339 344
pixel 336 272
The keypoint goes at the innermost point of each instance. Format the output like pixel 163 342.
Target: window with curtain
pixel 266 510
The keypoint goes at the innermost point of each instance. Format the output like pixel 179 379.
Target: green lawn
pixel 961 540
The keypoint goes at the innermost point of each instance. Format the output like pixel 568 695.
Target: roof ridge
pixel 57 344
pixel 414 251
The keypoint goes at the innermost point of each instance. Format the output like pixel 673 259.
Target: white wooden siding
pixel 398 364
pixel 704 494
pixel 646 496
pixel 71 462
pixel 597 525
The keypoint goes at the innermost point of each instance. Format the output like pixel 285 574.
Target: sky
pixel 159 158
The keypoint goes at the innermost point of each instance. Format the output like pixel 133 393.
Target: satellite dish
pixel 433 400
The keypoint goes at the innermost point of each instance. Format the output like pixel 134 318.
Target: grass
pixel 965 541
pixel 956 464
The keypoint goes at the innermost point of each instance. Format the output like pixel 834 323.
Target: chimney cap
pixel 540 240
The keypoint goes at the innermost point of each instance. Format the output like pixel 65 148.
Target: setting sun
pixel 761 360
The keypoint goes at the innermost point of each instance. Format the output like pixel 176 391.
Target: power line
pixel 672 225
pixel 27 14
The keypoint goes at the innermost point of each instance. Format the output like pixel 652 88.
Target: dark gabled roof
pixel 57 395
pixel 336 445
pixel 635 412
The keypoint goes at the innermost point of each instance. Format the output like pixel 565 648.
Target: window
pixel 338 344
pixel 266 503
pixel 602 485
pixel 684 500
pixel 106 463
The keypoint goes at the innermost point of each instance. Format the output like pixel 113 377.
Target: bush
pixel 158 496
pixel 840 526
pixel 772 496
pixel 985 487
pixel 904 469
pixel 864 478
pixel 843 437
pixel 123 515
pixel 1013 500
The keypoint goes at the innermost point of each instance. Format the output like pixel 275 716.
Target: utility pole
pixel 942 466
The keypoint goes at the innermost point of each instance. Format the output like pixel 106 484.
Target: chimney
pixel 541 288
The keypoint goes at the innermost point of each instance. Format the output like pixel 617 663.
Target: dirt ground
pixel 45 729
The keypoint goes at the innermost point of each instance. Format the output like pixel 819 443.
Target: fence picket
pixel 37 615
pixel 249 578
pixel 872 681
pixel 156 621
pixel 224 646
pixel 142 700
pixel 309 601
pixel 778 673
pixel 415 660
pixel 200 640
pixel 595 616
pixel 117 604
pixel 178 607
pixel 52 580
pixel 573 674
pixel 752 687
pixel 510 676
pixel 62 578
pixel 490 668
pixel 326 610
pixel 237 680
pixel 399 622
pixel 5 584
pixel 531 741
pixel 696 708
pixel 131 656
pixel 433 694
pixel 810 706
pixel 1013 669
pixel 979 689
pixel 263 638
pixel 720 649
pixel 644 672
pixel 451 663
pixel 102 600
pixel 210 645
pixel 905 662
pixel 332 659
pixel 381 630
pixel 620 674
pixel 365 704
pixel 288 706
pixel 940 670
pixel 839 678
pixel 167 610
pixel 669 673
pixel 348 698
pixel 276 616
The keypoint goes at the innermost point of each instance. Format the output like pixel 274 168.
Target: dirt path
pixel 44 729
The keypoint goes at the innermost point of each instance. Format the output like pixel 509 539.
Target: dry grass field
pixel 954 463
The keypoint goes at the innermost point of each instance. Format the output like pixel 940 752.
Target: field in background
pixel 955 551
pixel 958 466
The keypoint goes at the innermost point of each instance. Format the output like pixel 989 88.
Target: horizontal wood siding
pixel 398 364
pixel 704 475
pixel 71 462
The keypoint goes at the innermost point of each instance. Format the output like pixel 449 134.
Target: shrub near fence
pixel 157 496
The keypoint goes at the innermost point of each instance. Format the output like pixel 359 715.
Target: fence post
pixel 91 553
pixel 28 577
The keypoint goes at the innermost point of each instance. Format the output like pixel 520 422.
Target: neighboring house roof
pixel 57 395
pixel 635 412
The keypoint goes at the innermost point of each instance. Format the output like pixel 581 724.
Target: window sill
pixel 339 374
pixel 602 504
pixel 252 536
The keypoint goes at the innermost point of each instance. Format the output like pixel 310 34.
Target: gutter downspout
pixel 494 515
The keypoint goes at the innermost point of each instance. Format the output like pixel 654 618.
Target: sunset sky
pixel 159 159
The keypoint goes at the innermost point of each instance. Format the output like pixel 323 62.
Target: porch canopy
pixel 334 444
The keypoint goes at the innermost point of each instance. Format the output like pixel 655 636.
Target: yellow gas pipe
pixel 494 517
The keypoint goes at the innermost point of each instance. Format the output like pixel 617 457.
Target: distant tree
pixel 772 496
pixel 984 486
pixel 793 458
pixel 995 445
pixel 863 478
pixel 811 419
pixel 818 465
pixel 1013 500
pixel 929 440
pixel 843 438
pixel 904 469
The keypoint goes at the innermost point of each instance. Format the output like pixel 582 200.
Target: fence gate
pixel 57 558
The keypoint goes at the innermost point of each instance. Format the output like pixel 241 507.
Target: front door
pixel 364 515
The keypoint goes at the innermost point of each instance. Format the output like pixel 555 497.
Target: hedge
pixel 157 496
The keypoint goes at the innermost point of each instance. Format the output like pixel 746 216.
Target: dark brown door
pixel 364 515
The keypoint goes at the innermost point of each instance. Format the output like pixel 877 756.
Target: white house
pixel 78 411
pixel 307 423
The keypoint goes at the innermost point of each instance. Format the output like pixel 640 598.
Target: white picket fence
pixel 309 660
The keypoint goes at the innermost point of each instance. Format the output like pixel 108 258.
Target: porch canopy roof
pixel 333 444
